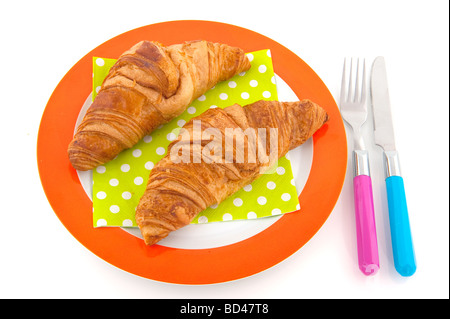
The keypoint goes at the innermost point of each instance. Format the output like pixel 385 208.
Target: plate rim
pixel 191 266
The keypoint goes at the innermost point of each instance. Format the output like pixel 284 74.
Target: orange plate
pixel 191 266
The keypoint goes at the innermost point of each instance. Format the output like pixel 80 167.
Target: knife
pixel 402 245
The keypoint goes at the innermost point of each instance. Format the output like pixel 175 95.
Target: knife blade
pixel 383 128
pixel 402 245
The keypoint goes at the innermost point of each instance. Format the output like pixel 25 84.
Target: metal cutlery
pixel 354 111
pixel 402 245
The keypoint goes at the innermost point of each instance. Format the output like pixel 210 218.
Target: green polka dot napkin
pixel 119 184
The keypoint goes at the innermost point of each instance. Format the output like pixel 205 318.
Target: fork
pixel 354 111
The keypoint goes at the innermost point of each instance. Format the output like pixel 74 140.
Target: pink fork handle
pixel 366 233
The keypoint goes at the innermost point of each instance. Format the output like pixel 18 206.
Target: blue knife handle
pixel 402 246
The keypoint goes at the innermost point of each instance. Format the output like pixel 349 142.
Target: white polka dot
pixel 125 168
pixel 253 83
pixel 127 223
pixel 149 165
pixel 245 95
pixel 100 62
pixel 101 222
pixel 251 215
pixel 266 94
pixel 250 57
pixel 237 202
pixel 262 68
pixel 160 150
pixel 171 136
pixel 293 182
pixel 147 138
pixel 227 216
pixel 214 206
pixel 262 200
pixel 138 180
pixel 137 152
pixel 113 182
pixel 114 209
pixel 297 206
pixel 273 79
pixel 286 197
pixel 101 195
pixel 100 169
pixel 269 54
pixel 232 84
pixel 242 73
pixel 126 195
pixel 191 110
pixel 248 187
pixel 280 170
pixel 276 211
pixel 271 185
pixel 202 98
pixel 223 96
pixel 203 220
pixel 213 106
pixel 97 89
pixel 180 123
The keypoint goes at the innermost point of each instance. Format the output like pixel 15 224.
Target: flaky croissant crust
pixel 177 191
pixel 149 85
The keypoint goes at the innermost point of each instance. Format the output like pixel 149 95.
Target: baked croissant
pixel 149 85
pixel 177 190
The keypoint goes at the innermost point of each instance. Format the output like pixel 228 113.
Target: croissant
pixel 149 85
pixel 179 187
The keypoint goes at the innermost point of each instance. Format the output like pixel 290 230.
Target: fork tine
pixel 356 97
pixel 363 89
pixel 349 97
pixel 343 88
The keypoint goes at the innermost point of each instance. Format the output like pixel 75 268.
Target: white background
pixel 42 40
